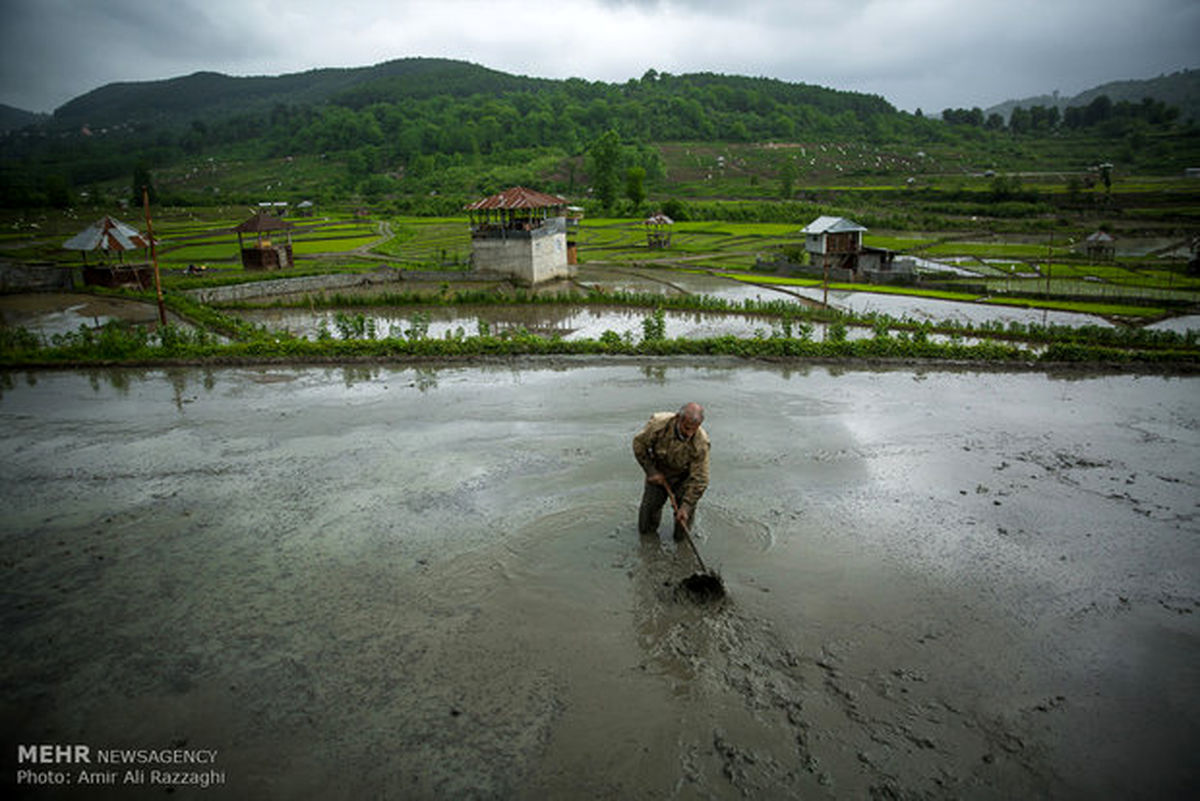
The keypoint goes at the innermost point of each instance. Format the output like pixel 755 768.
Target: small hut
pixel 1100 246
pixel 658 231
pixel 262 253
pixel 111 236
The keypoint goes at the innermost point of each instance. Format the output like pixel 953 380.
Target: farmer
pixel 673 451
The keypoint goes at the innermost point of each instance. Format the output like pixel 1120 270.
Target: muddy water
pixel 50 313
pixel 379 582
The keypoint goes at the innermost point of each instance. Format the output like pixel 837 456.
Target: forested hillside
pixel 1180 90
pixel 209 96
pixel 13 118
pixel 422 127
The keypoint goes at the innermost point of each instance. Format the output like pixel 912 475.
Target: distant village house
pixel 1100 246
pixel 835 248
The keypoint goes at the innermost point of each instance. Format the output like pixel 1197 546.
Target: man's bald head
pixel 692 412
pixel 688 419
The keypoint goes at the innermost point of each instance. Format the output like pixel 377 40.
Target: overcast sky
pixel 928 54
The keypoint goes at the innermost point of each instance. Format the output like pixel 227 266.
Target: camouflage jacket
pixel 658 450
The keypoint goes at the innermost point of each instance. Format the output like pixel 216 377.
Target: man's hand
pixel 657 478
pixel 682 513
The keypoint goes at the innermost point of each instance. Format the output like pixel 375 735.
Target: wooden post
pixel 162 310
pixel 825 297
pixel 1049 261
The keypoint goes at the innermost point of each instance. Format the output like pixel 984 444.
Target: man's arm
pixel 697 480
pixel 643 452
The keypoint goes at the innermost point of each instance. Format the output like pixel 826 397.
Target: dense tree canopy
pixel 417 117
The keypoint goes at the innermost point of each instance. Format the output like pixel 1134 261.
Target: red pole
pixel 162 310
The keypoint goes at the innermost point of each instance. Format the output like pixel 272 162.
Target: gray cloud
pixel 916 53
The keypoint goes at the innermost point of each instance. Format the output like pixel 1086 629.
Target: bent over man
pixel 673 451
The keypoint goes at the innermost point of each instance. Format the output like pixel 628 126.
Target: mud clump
pixel 702 588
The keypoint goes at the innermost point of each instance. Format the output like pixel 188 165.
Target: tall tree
pixel 142 178
pixel 635 186
pixel 606 162
pixel 787 177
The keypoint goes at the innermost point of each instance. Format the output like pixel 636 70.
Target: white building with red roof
pixel 520 233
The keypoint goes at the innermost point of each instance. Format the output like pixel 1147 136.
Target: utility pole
pixel 162 310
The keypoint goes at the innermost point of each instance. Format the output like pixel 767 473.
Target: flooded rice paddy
pixel 49 313
pixel 565 322
pixel 590 322
pixel 395 583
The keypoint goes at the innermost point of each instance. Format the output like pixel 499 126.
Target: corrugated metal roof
pixel 108 233
pixel 659 219
pixel 831 225
pixel 518 197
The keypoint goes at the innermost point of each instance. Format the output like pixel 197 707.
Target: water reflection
pixel 1180 325
pixel 655 372
pixel 569 323
pixel 357 374
pixel 426 378
pixel 117 380
pixel 546 320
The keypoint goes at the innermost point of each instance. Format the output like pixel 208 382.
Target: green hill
pixel 1180 90
pixel 13 118
pixel 417 129
pixel 211 95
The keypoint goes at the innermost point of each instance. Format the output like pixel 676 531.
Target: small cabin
pixel 1100 246
pixel 834 242
pixel 835 248
pixel 265 251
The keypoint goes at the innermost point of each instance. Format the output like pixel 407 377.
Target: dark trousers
pixel 654 497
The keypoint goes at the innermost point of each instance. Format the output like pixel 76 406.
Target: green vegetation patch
pixel 881 289
pixel 1101 309
pixel 897 243
pixel 988 250
pixel 331 245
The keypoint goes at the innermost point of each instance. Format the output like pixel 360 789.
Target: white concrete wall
pixel 527 259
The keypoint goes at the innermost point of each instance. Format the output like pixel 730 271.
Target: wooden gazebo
pixel 109 235
pixel 658 231
pixel 514 210
pixel 262 253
